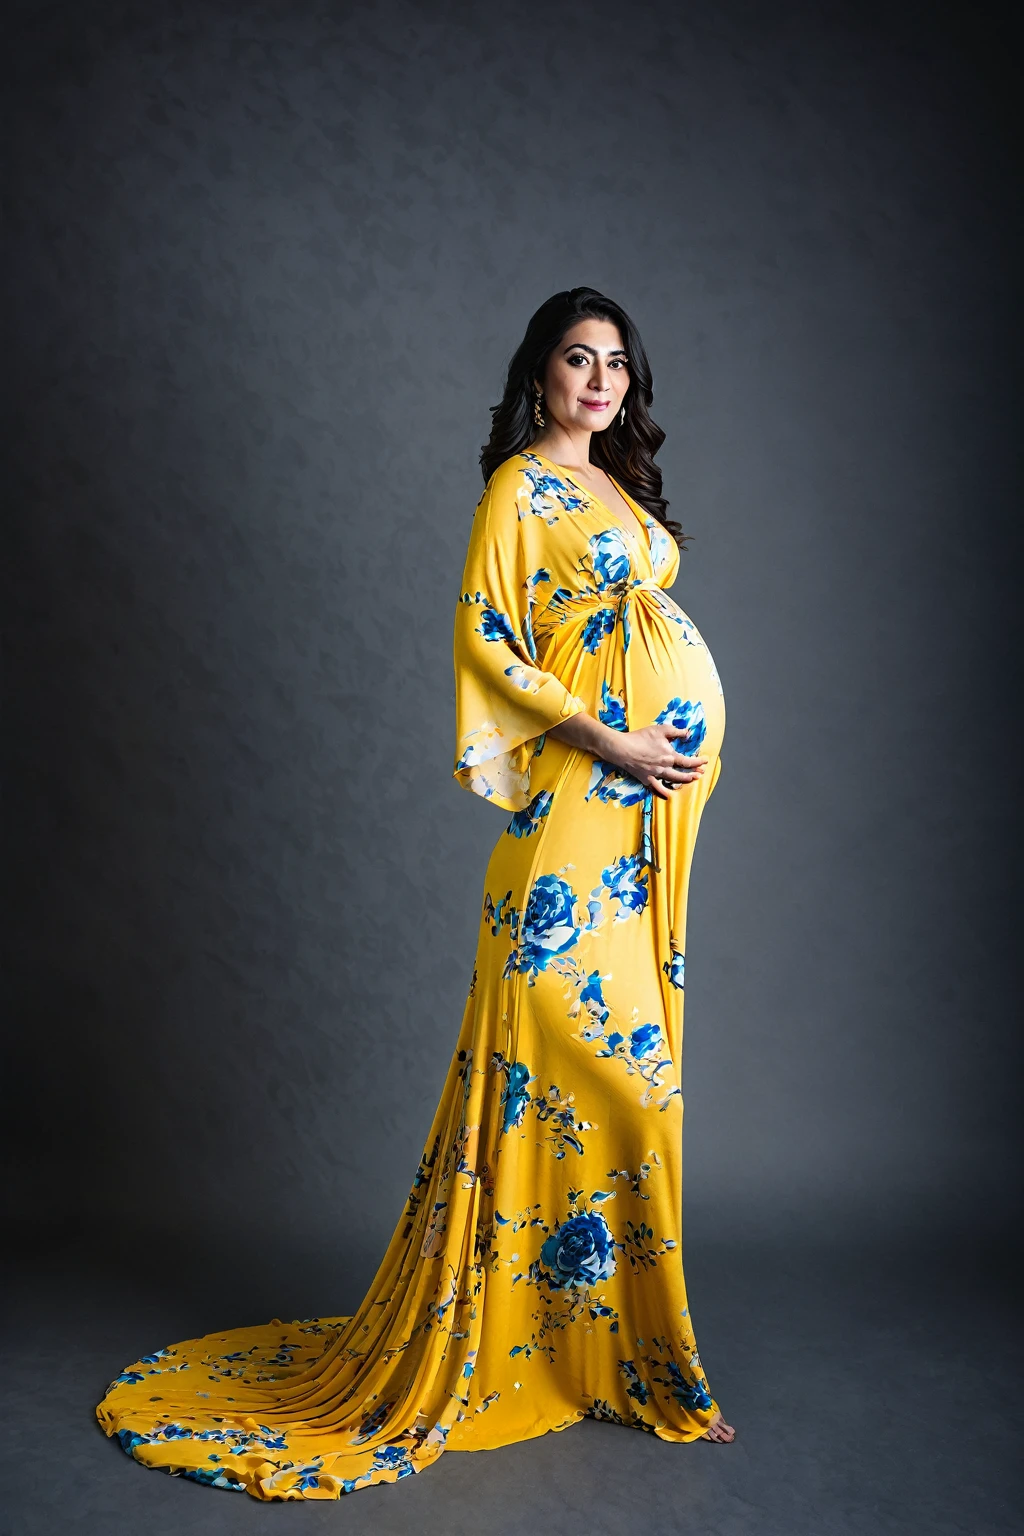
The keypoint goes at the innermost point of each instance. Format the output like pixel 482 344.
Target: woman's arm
pixel 646 755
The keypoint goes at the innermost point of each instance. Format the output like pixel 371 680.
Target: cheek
pixel 563 384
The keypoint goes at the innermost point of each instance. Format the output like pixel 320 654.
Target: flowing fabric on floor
pixel 536 1274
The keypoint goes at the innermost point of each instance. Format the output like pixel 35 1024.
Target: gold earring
pixel 537 414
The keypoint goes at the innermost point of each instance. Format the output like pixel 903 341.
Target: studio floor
pixel 874 1389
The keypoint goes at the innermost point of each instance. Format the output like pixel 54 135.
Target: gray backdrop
pixel 270 263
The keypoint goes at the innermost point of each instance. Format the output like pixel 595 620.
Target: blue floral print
pixel 525 823
pixel 626 880
pixel 213 1477
pixel 516 1096
pixel 592 997
pixel 613 709
pixel 610 558
pixel 644 1040
pixel 675 968
pixel 661 542
pixel 542 491
pixel 611 785
pixel 692 1394
pixel 394 1458
pixel 550 924
pixel 636 1387
pixel 556 1112
pixel 496 626
pixel 685 717
pixel 598 626
pixel 539 578
pixel 537 1229
pixel 580 1251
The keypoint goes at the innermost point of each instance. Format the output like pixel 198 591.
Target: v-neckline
pixel 593 496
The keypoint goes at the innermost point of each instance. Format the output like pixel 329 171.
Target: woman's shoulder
pixel 507 492
pixel 512 473
pixel 531 484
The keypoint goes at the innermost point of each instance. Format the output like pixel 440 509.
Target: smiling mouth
pixel 595 405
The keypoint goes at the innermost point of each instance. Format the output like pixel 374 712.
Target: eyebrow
pixel 581 346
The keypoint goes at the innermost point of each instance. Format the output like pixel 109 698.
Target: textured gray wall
pixel 271 261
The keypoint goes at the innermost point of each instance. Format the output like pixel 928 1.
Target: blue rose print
pixel 626 880
pixel 496 626
pixel 613 709
pixel 524 823
pixel 581 1251
pixel 550 924
pixel 597 627
pixel 685 717
pixel 516 1096
pixel 610 558
pixel 643 1040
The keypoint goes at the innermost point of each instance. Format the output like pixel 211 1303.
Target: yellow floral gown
pixel 535 1275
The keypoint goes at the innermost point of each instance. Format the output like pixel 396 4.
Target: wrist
pixel 606 743
pixel 583 731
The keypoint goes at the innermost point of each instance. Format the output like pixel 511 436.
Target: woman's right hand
pixel 649 756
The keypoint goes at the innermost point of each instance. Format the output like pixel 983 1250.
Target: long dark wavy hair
pixel 625 450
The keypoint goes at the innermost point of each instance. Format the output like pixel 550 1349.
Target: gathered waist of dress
pixel 566 608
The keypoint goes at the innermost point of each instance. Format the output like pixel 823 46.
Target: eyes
pixel 583 360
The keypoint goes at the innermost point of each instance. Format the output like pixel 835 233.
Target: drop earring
pixel 622 417
pixel 538 415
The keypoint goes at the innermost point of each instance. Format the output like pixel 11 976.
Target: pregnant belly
pixel 669 673
pixel 634 658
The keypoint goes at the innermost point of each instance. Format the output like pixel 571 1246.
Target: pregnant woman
pixel 535 1275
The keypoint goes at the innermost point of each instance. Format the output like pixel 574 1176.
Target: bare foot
pixel 719 1431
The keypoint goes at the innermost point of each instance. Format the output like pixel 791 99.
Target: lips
pixel 595 405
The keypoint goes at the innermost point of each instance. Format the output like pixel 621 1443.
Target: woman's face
pixel 587 376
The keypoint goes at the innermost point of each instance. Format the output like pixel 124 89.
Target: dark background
pixel 269 263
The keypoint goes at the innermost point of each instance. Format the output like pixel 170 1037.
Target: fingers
pixel 683 770
pixel 664 780
pixel 674 736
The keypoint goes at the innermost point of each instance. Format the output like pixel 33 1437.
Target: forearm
pixel 589 735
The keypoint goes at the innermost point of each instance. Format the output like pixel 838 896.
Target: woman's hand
pixel 646 755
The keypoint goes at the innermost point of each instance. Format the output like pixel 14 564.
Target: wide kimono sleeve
pixel 503 701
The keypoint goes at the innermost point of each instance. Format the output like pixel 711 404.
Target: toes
pixel 720 1433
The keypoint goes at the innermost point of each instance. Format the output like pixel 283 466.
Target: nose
pixel 600 376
